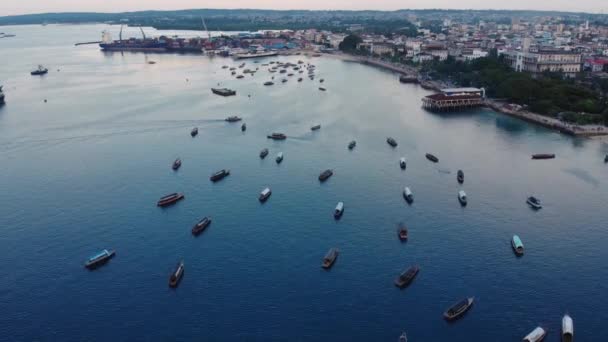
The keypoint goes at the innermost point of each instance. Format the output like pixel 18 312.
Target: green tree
pixel 350 42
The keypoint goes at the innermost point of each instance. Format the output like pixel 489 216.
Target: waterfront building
pixel 538 61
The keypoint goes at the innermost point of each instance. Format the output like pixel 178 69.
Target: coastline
pixel 498 106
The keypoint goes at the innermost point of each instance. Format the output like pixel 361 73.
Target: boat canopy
pixel 407 191
pixel 265 191
pixel 99 255
pixel 536 335
pixel 517 242
pixel 567 326
pixel 340 206
pixel 462 194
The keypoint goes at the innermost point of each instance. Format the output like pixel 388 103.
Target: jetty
pixel 453 99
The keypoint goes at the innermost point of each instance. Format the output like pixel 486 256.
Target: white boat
pixel 402 163
pixel 536 335
pixel 279 157
pixel 264 195
pixel 462 197
pixel 403 337
pixel 339 210
pixel 407 194
pixel 567 328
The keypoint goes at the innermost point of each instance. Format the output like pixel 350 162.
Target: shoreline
pixel 588 131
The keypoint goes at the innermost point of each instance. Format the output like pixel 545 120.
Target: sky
pixel 13 7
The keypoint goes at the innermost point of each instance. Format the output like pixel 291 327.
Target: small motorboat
pixel 264 195
pixel 432 158
pixel 543 156
pixel 221 174
pixel 352 145
pixel 233 118
pixel 300 79
pixel 402 163
pixel 406 277
pixel 462 197
pixel 263 153
pixel 223 91
pixel 201 226
pixel 177 164
pixel 39 71
pixel 284 80
pixel 330 258
pixel 279 158
pixel 403 337
pixel 538 334
pixel 606 159
pixel 391 142
pixel 567 328
pixel 315 128
pixel 402 232
pixel 321 80
pixel 240 77
pixel 407 194
pixel 177 275
pixel 460 176
pixel 269 83
pixel 339 210
pixel 243 127
pixel 457 310
pixel 170 199
pixel 325 175
pixel 277 136
pixel 517 245
pixel 321 88
pixel 99 259
pixel 224 67
pixel 534 203
pixel 194 132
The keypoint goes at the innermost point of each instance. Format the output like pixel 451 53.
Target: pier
pixel 454 99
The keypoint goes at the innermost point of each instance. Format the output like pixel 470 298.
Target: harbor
pixel 113 162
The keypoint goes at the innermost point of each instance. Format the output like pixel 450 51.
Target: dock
pixel 454 99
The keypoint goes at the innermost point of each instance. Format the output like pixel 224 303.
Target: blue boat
pixel 517 245
pixel 99 259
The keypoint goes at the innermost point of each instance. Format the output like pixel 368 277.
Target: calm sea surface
pixel 83 172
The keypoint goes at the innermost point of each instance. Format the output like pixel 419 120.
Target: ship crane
pixel 142 32
pixel 205 26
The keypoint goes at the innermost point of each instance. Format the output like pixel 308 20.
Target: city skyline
pixel 40 6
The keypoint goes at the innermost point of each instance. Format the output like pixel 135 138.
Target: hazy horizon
pixel 12 7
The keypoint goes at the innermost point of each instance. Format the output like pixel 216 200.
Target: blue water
pixel 83 172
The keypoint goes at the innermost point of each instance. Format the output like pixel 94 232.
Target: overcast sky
pixel 11 7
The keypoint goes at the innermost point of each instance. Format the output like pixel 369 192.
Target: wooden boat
pixel 321 80
pixel 170 199
pixel 538 334
pixel 277 136
pixel 402 163
pixel 223 91
pixel 567 328
pixel 233 118
pixel 201 226
pixel 391 142
pixel 352 145
pixel 408 195
pixel 325 175
pixel 177 164
pixel 432 158
pixel 330 258
pixel 534 203
pixel 177 275
pixel 457 310
pixel 219 175
pixel 279 158
pixel 39 71
pixel 517 245
pixel 460 176
pixel 315 128
pixel 264 195
pixel 268 83
pixel 321 88
pixel 406 277
pixel 263 153
pixel 240 77
pixel 99 259
pixel 194 132
pixel 462 197
pixel 339 210
pixel 543 156
pixel 402 232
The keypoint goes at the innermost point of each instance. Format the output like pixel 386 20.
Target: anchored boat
pixel 402 163
pixel 201 226
pixel 543 156
pixel 177 164
pixel 406 277
pixel 325 175
pixel 223 91
pixel 432 158
pixel 315 128
pixel 264 195
pixel 567 328
pixel 407 194
pixel 462 197
pixel 221 174
pixel 277 136
pixel 279 158
pixel 268 83
pixel 330 258
pixel 460 176
pixel 99 259
pixel 233 118
pixel 538 334
pixel 177 275
pixel 243 127
pixel 170 199
pixel 263 153
pixel 457 310
pixel 403 337
pixel 517 245
pixel 40 71
pixel 534 203
pixel 352 145
pixel 391 142
pixel 402 232
pixel 194 132
pixel 339 210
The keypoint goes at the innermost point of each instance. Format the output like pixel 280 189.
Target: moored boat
pixel 460 176
pixel 219 175
pixel 194 132
pixel 567 328
pixel 176 164
pixel 391 142
pixel 201 225
pixel 458 309
pixel 243 127
pixel 233 118
pixel 325 175
pixel 321 80
pixel 321 88
pixel 339 210
pixel 543 156
pixel 240 76
pixel 432 158
pixel 606 159
pixel 279 158
pixel 330 258
pixel 1 96
pixel 263 153
pixel 277 136
pixel 99 259
pixel 406 277
pixel 462 197
pixel 517 245
pixel 352 145
pixel 39 71
pixel 403 337
pixel 223 91
pixel 264 195
pixel 538 334
pixel 402 232
pixel 534 203
pixel 402 163
pixel 300 79
pixel 177 275
pixel 169 199
pixel 315 128
pixel 407 194
pixel 268 83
